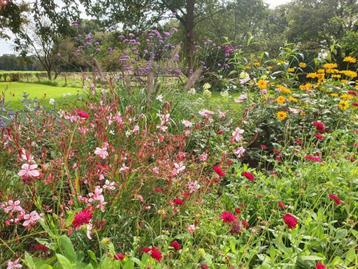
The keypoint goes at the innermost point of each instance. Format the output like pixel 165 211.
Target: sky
pixel 6 47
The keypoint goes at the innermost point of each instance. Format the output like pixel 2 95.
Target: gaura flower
pixel 281 115
pixel 228 217
pixel 290 220
pixel 14 264
pixel 237 134
pixel 29 171
pixel 239 152
pixel 31 219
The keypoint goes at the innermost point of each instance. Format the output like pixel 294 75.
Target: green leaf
pixel 29 262
pixel 67 249
pixel 65 263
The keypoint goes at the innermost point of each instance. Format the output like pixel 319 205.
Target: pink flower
pixel 320 127
pixel 82 217
pixel 14 264
pixel 12 206
pixel 237 134
pixel 335 198
pixel 228 217
pixel 218 170
pixel 29 171
pixel 206 113
pixel 191 228
pixel 319 137
pixel 290 220
pixel 242 98
pixel 119 256
pixel 203 157
pixel 193 186
pixel 101 152
pixel 187 124
pixel 239 152
pixel 320 265
pixel 31 219
pixel 313 158
pixel 82 114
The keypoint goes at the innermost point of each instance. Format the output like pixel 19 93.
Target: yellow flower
pixel 330 66
pixel 302 65
pixel 346 96
pixel 283 89
pixel 350 59
pixel 343 105
pixel 334 94
pixel 281 115
pixel 291 70
pixel 306 87
pixel 292 99
pixel 262 84
pixel 281 100
pixel 320 71
pixel 336 76
pixel 206 86
pixel 349 73
pixel 311 75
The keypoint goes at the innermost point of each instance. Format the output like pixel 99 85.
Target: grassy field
pixel 14 92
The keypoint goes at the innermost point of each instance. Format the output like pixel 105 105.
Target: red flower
pixel 82 217
pixel 82 114
pixel 335 198
pixel 320 127
pixel 235 228
pixel 248 175
pixel 119 256
pixel 245 223
pixel 176 245
pixel 178 201
pixel 352 92
pixel 320 265
pixel 237 211
pixel 218 170
pixel 319 137
pixel 313 158
pixel 154 253
pixel 228 217
pixel 355 104
pixel 40 247
pixel 263 147
pixel 290 220
pixel 281 205
pixel 204 266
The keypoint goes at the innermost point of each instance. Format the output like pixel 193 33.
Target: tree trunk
pixel 189 35
pixel 49 75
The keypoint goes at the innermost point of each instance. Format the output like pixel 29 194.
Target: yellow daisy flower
pixel 281 115
pixel 343 105
pixel 302 65
pixel 262 84
pixel 281 100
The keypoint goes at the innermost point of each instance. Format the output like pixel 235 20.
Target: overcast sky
pixel 6 47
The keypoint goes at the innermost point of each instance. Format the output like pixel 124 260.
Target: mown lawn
pixel 14 92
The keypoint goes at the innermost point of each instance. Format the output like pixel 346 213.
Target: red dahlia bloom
pixel 82 114
pixel 320 265
pixel 154 253
pixel 82 217
pixel 218 170
pixel 290 220
pixel 176 245
pixel 119 256
pixel 248 175
pixel 228 217
pixel 335 198
pixel 319 137
pixel 237 211
pixel 320 127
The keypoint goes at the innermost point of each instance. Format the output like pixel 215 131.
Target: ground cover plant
pixel 265 178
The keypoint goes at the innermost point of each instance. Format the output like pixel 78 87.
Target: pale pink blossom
pixel 14 264
pixel 206 113
pixel 191 228
pixel 242 98
pixel 178 168
pixel 97 198
pixel 31 219
pixel 156 170
pixel 135 129
pixel 124 168
pixel 109 185
pixel 237 134
pixel 187 124
pixel 239 152
pixel 203 157
pixel 222 115
pixel 193 186
pixel 12 206
pixel 29 170
pixel 89 230
pixel 102 152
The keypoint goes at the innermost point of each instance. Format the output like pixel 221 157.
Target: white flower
pixel 224 93
pixel 207 93
pixel 51 101
pixel 242 98
pixel 206 86
pixel 192 91
pixel 160 98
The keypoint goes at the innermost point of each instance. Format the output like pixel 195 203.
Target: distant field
pixel 23 71
pixel 14 92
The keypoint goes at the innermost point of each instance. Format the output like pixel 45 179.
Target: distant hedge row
pixel 21 76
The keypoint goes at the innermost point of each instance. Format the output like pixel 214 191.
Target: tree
pixel 11 16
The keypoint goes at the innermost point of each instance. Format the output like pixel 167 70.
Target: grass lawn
pixel 14 92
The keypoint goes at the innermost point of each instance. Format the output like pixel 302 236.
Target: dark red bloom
pixel 235 228
pixel 352 92
pixel 320 265
pixel 313 158
pixel 119 256
pixel 82 217
pixel 178 201
pixel 158 190
pixel 82 114
pixel 245 223
pixel 204 266
pixel 319 137
pixel 228 217
pixel 355 104
pixel 290 220
pixel 218 170
pixel 176 245
pixel 154 253
pixel 237 211
pixel 281 205
pixel 263 147
pixel 320 127
pixel 40 247
pixel 248 175
pixel 335 198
